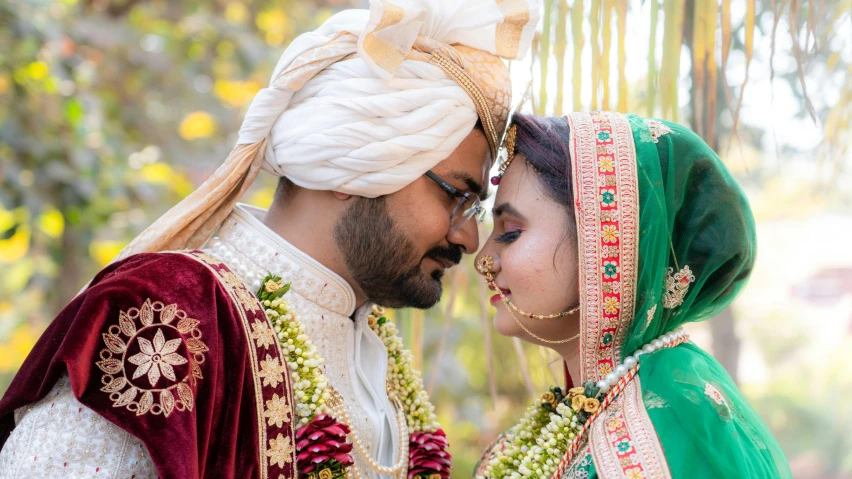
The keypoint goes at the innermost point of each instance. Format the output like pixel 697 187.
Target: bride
pixel 616 230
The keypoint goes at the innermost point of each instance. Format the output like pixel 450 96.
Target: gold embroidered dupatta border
pixel 272 382
pixel 603 155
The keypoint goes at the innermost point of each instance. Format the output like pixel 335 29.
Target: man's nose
pixel 467 236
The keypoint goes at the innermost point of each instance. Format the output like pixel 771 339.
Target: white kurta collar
pixel 270 252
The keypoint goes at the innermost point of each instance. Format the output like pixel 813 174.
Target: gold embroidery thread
pixel 163 343
pixel 677 286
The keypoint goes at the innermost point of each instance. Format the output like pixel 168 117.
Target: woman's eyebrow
pixel 498 211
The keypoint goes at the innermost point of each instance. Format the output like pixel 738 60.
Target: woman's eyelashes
pixel 508 237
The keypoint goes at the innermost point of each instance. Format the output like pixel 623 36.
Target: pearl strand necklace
pixel 630 362
pixel 399 469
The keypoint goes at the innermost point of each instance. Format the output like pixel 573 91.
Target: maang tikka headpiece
pixel 508 148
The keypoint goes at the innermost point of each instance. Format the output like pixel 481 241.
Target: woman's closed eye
pixel 508 237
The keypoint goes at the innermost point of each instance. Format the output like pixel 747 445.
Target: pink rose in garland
pixel 322 445
pixel 428 456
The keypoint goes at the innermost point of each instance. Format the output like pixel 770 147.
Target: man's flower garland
pixel 321 445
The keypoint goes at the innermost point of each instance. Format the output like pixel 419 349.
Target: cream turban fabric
pixel 365 105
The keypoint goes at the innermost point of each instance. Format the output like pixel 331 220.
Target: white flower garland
pixel 311 390
pixel 537 443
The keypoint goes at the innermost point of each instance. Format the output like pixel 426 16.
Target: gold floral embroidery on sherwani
pixel 141 354
pixel 273 391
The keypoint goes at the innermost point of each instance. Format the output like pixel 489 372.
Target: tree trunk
pixel 726 344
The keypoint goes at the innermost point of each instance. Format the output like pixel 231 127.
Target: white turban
pixel 370 123
pixel 365 105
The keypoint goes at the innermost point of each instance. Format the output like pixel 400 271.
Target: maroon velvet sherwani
pixel 175 350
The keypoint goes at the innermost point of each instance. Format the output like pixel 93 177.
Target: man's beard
pixel 384 262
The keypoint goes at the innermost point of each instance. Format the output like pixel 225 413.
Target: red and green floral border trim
pixel 605 188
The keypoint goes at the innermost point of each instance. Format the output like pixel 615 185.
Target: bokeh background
pixel 113 110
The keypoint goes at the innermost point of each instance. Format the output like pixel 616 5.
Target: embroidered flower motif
pixel 157 358
pixel 635 474
pixel 714 394
pixel 611 287
pixel 610 269
pixel 271 371
pixel 605 369
pixel 609 234
pixel 278 411
pixel 607 338
pixel 614 424
pixel 262 333
pixel 606 164
pixel 607 197
pixel 280 451
pixel 244 296
pixel 604 136
pixel 611 305
pixel 677 286
pixel 657 129
pixel 154 361
pixel 623 446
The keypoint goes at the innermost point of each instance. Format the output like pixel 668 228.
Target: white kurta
pixel 60 436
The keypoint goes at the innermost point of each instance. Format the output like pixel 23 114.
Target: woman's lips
pixel 497 298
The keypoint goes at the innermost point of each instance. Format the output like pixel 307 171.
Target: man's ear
pixel 341 196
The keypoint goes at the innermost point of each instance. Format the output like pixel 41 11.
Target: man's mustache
pixel 449 253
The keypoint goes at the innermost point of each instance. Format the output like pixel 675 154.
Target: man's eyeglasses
pixel 468 204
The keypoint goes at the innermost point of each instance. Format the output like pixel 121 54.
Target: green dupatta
pixel 653 199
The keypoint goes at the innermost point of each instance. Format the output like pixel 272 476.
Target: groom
pixel 382 126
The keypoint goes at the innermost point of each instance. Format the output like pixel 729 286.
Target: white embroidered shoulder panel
pixel 60 437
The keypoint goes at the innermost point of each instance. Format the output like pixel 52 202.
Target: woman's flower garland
pixel 537 443
pixel 322 450
pixel 543 444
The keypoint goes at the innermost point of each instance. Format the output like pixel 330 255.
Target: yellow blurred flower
pixel 197 125
pixel 104 251
pixel 15 247
pixel 162 174
pixel 236 12
pixel 38 70
pixel 275 24
pixel 15 349
pixel 235 93
pixel 262 198
pixel 51 222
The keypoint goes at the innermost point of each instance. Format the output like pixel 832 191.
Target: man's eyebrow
pixel 476 188
pixel 498 211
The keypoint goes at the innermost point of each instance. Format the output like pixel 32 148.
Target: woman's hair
pixel 543 140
